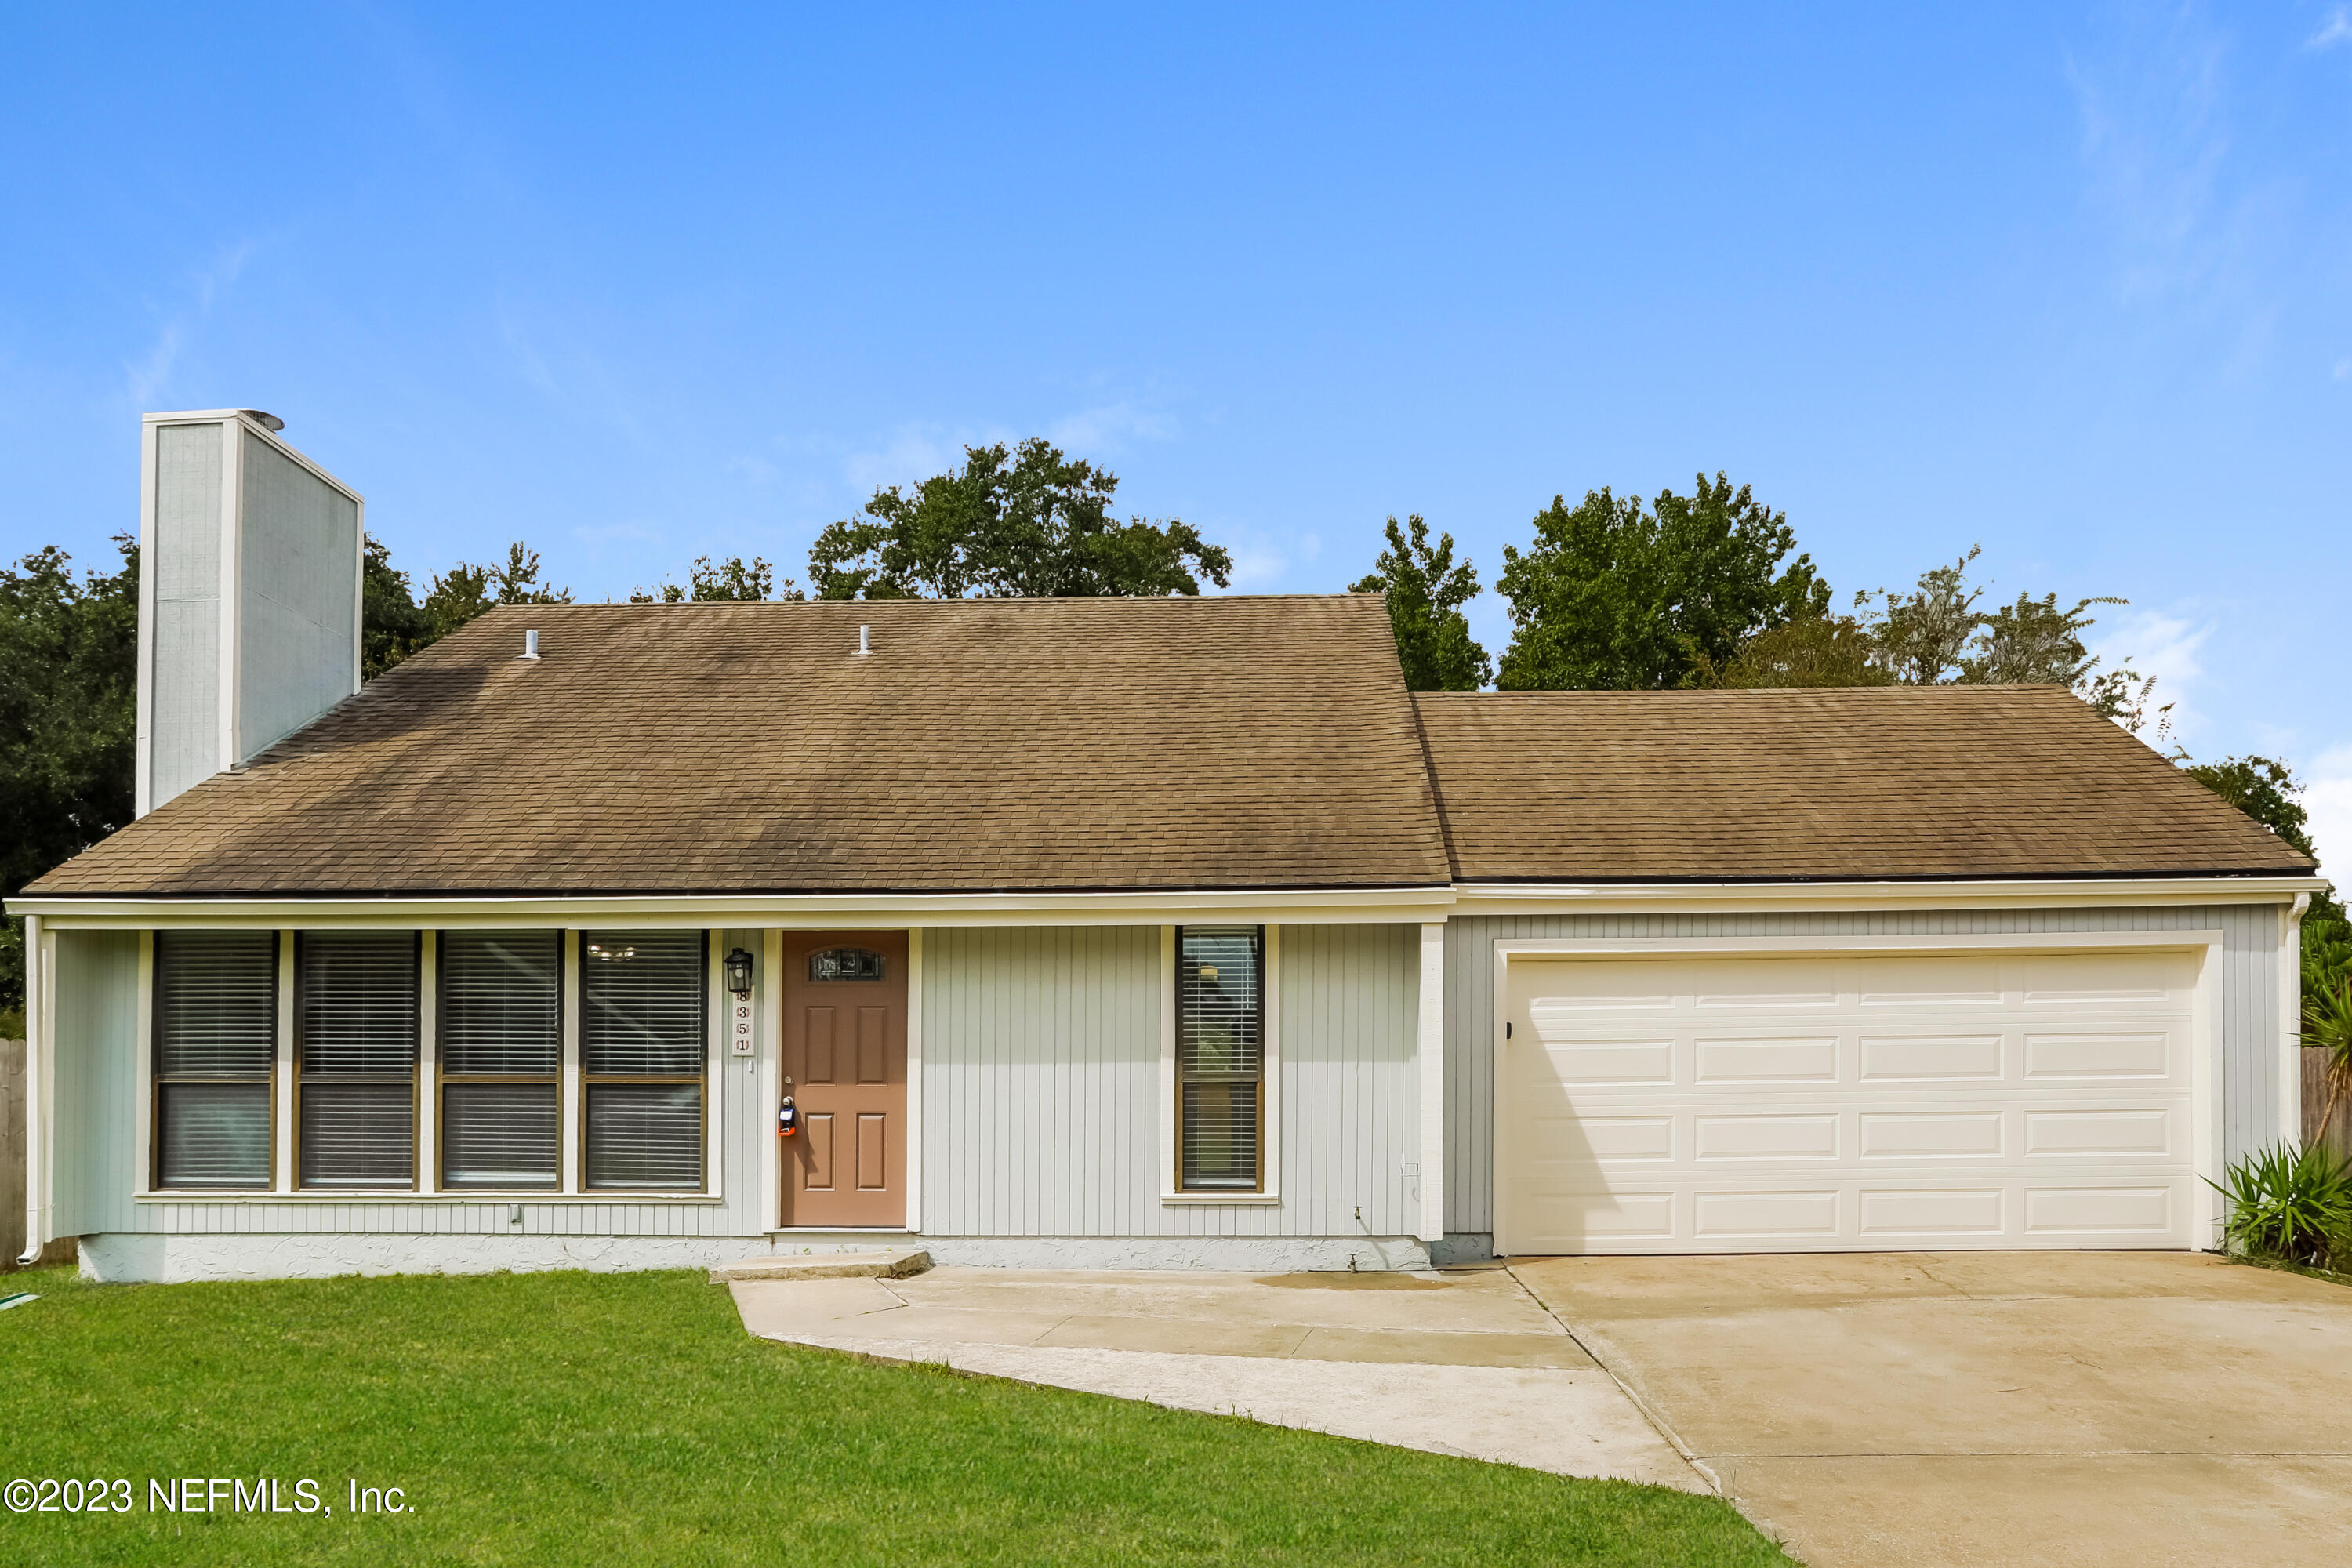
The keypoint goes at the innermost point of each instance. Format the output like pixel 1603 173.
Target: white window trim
pixel 914 1083
pixel 1269 1155
pixel 284 1108
pixel 570 1105
pixel 769 1095
pixel 429 1063
pixel 2205 1052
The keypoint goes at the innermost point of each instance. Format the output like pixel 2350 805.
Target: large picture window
pixel 642 1031
pixel 215 1048
pixel 355 1041
pixel 501 1057
pixel 1220 1058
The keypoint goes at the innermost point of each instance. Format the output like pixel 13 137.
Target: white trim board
pixel 1392 906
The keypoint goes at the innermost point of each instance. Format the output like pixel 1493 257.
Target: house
pixel 1142 934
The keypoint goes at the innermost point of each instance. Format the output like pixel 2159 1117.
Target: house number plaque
pixel 739 1029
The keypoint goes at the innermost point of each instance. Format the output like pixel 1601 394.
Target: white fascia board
pixel 238 416
pixel 1700 898
pixel 1392 906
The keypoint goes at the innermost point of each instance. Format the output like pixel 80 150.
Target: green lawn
pixel 590 1419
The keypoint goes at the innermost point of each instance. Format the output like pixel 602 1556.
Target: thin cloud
pixel 2165 645
pixel 2336 29
pixel 2327 797
pixel 147 376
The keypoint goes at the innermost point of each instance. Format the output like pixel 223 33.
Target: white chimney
pixel 249 573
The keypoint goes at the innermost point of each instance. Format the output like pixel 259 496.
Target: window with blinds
pixel 1220 1057
pixel 215 1047
pixel 643 1026
pixel 501 1033
pixel 355 1045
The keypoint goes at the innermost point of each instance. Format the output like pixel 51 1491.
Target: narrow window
pixel 501 1056
pixel 641 1057
pixel 1220 1057
pixel 356 1024
pixel 216 1032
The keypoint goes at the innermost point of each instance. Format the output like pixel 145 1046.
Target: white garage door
pixel 1848 1102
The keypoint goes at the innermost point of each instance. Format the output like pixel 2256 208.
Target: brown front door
pixel 846 1056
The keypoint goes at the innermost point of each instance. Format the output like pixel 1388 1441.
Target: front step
pixel 884 1264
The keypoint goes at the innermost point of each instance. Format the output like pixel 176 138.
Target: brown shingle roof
pixel 1849 784
pixel 1108 743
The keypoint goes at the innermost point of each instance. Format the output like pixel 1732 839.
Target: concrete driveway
pixel 1990 1408
pixel 1465 1363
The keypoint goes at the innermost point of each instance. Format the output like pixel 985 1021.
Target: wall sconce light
pixel 739 973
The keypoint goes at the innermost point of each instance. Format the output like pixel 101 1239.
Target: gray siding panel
pixel 1041 1084
pixel 97 1046
pixel 183 553
pixel 2251 1055
pixel 300 571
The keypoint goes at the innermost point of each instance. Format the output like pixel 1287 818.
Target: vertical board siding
pixel 2250 1029
pixel 97 1011
pixel 1041 1111
pixel 1041 1080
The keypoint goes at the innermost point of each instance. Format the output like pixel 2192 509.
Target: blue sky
pixel 637 285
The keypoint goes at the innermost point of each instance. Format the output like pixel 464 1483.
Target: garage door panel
pixel 2102 1133
pixel 1812 1058
pixel 1764 1136
pixel 2160 978
pixel 1754 1212
pixel 1966 981
pixel 1892 1213
pixel 2120 1053
pixel 1906 1058
pixel 1766 984
pixel 1606 1062
pixel 2146 1210
pixel 1931 1103
pixel 1935 1135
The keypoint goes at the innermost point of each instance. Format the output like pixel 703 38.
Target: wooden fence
pixel 2314 1101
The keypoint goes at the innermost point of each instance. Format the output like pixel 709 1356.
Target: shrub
pixel 2291 1204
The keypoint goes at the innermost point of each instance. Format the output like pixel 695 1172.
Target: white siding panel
pixel 1042 1111
pixel 2248 1007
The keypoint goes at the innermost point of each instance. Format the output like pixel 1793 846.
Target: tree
pixel 1814 650
pixel 1426 591
pixel 2265 790
pixel 1022 523
pixel 732 578
pixel 1618 597
pixel 69 707
pixel 393 625
pixel 1936 636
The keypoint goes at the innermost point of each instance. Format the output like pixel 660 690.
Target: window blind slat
pixel 216 1003
pixel 500 1134
pixel 641 1002
pixel 644 1135
pixel 358 1001
pixel 357 1094
pixel 213 1134
pixel 356 1134
pixel 501 1009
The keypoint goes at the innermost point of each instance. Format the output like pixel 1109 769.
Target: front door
pixel 845 1065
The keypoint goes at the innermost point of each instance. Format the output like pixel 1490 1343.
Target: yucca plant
pixel 2292 1204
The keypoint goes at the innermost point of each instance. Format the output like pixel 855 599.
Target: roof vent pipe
pixel 531 645
pixel 861 649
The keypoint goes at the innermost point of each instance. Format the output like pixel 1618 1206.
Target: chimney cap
pixel 269 422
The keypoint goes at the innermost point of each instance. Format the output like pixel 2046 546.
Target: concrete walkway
pixel 1459 1363
pixel 2086 1409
